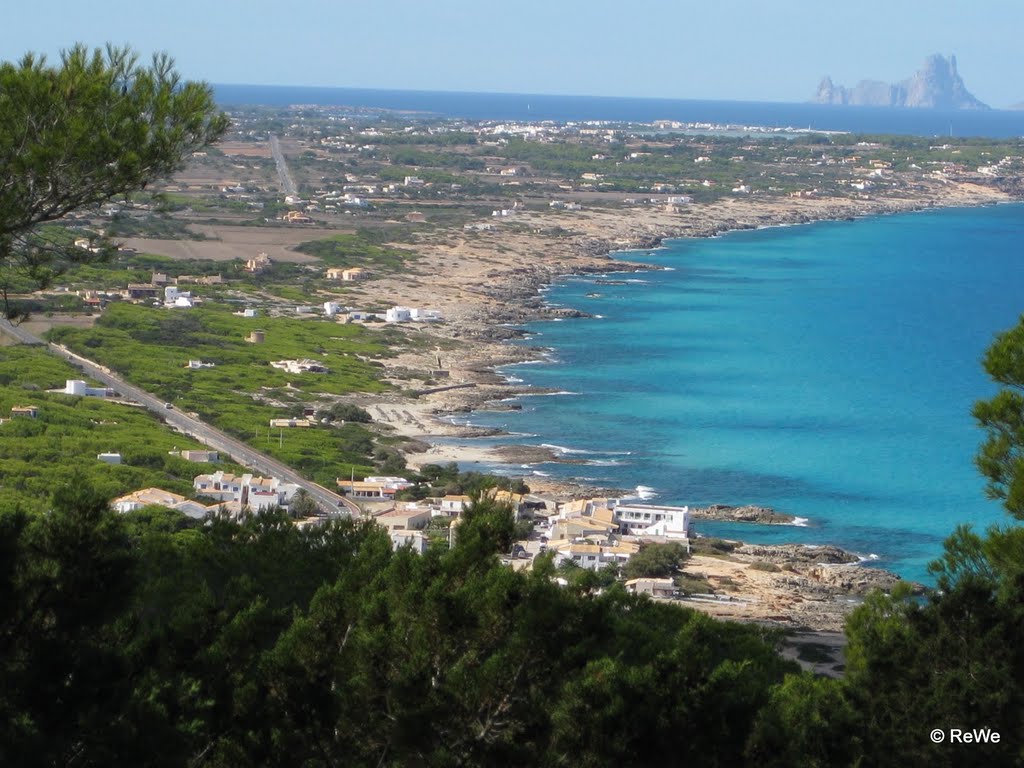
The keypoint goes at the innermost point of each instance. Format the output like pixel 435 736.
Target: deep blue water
pixel 512 106
pixel 826 370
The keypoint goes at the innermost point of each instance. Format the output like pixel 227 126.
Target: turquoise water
pixel 825 370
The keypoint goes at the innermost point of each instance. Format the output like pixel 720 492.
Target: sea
pixel 826 370
pixel 517 106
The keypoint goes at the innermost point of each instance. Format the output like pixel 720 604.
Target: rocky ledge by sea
pixel 749 513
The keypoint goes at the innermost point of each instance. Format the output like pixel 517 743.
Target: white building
pixel 159 497
pixel 256 492
pixel 81 389
pixel 664 588
pixel 109 458
pixel 455 505
pixel 654 520
pixel 415 314
pixel 398 315
pixel 415 539
pixel 594 557
pixel 419 315
pixel 173 297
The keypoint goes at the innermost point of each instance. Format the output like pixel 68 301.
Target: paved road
pixel 287 183
pixel 330 503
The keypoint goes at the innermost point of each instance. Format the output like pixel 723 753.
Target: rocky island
pixel 937 85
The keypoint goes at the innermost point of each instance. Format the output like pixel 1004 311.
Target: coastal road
pixel 287 182
pixel 331 504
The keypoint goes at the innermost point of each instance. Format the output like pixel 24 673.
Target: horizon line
pixel 525 94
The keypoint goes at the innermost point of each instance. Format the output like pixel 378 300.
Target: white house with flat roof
pixel 256 492
pixel 81 389
pixel 398 315
pixel 594 556
pixel 654 520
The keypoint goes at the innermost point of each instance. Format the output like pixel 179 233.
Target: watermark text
pixel 965 736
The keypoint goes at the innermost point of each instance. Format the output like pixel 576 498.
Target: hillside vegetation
pixel 60 445
pixel 242 392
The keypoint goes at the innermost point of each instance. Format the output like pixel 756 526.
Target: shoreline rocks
pixel 748 513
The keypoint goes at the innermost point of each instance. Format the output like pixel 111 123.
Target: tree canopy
pixel 94 127
pixel 1001 458
pixel 151 639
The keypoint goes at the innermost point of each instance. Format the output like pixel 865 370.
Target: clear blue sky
pixel 766 50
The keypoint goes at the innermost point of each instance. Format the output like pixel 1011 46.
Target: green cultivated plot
pixel 60 445
pixel 242 392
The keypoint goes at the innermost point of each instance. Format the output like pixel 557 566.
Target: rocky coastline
pixel 748 513
pixel 814 590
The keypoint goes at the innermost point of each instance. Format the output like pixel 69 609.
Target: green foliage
pixel 349 412
pixel 810 722
pixel 61 445
pixel 1001 458
pixel 65 580
pixel 302 505
pixel 448 480
pixel 948 662
pixel 123 268
pixel 263 644
pixel 150 347
pixel 96 126
pixel 161 227
pixel 357 251
pixel 655 561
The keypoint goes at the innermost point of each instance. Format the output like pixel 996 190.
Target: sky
pixel 757 50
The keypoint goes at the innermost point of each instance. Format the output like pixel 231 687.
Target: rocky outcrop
pixel 794 554
pixel 853 579
pixel 937 85
pixel 746 514
pixel 819 572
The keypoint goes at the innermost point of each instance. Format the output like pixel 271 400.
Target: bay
pixel 827 370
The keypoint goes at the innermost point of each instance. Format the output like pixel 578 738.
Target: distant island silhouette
pixel 937 85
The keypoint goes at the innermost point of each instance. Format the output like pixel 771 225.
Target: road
pixel 287 182
pixel 332 504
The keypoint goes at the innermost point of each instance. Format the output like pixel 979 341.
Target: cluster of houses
pixel 411 314
pixel 405 521
pixel 160 289
pixel 591 533
pixel 602 532
pixel 247 490
pixel 373 488
pixel 231 493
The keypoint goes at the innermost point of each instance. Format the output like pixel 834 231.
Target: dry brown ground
pixel 229 242
pixel 245 148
